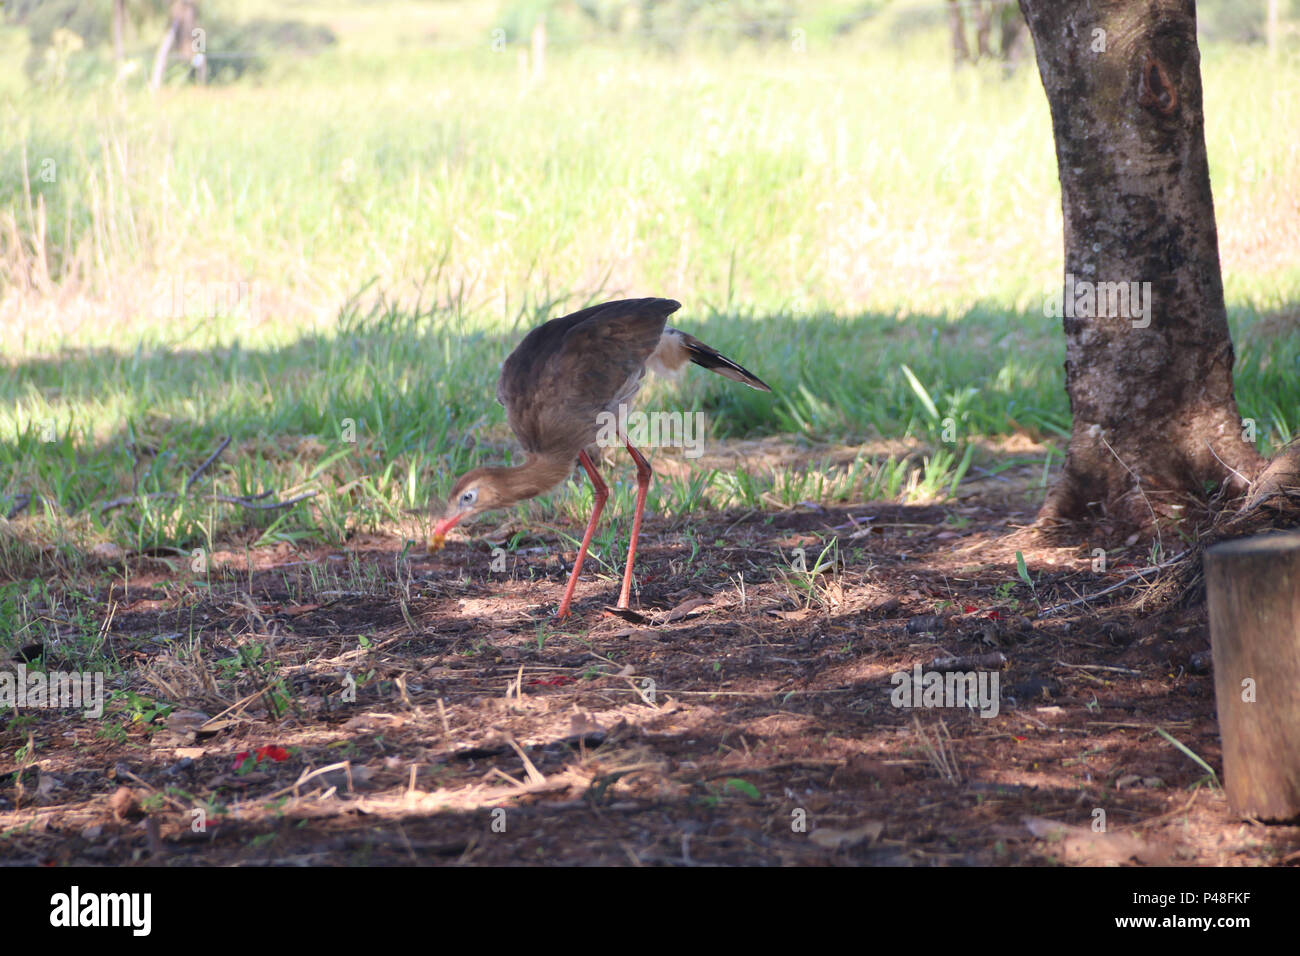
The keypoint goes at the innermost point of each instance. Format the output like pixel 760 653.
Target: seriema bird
pixel 555 386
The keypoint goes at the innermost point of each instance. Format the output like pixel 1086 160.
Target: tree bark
pixel 1150 383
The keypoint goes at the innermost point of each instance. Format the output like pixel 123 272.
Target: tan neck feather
pixel 535 476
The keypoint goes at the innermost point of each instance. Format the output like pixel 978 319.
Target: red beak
pixel 440 531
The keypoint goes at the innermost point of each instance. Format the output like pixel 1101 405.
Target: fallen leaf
pixel 215 726
pixel 186 721
pixel 685 608
pixel 107 551
pixel 833 839
pixel 636 634
pixel 124 804
pixel 798 615
pixel 1087 846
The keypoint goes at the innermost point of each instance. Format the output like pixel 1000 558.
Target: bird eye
pixel 469 497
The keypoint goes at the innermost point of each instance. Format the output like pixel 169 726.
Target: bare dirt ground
pixel 363 706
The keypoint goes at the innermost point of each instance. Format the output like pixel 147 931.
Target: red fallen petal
pixel 969 609
pixel 240 758
pixel 994 616
pixel 1020 740
pixel 272 752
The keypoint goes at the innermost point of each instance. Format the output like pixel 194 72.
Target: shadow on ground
pixel 365 707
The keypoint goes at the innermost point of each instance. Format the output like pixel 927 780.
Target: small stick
pixel 166 796
pixel 1102 667
pixel 22 502
pixel 269 506
pixel 194 476
pixel 305 776
pixel 252 502
pixel 442 712
pixel 534 774
pixel 1118 584
pixel 128 499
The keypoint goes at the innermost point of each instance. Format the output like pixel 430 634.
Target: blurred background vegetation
pixel 344 210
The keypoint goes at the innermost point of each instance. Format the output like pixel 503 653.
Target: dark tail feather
pixel 710 358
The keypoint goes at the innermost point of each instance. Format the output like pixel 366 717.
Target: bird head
pixel 474 492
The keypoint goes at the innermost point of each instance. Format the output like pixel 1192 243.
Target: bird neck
pixel 537 475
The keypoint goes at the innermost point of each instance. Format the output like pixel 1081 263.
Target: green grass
pixel 870 232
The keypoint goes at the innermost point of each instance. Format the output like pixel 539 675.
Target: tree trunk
pixel 957 23
pixel 984 29
pixel 160 58
pixel 538 45
pixel 1013 34
pixel 119 28
pixel 1271 27
pixel 1149 359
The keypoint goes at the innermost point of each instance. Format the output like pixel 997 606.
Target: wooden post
pixel 1253 588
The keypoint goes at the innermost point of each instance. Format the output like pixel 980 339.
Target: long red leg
pixel 643 473
pixel 602 492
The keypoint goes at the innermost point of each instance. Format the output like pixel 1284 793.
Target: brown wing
pixel 568 370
